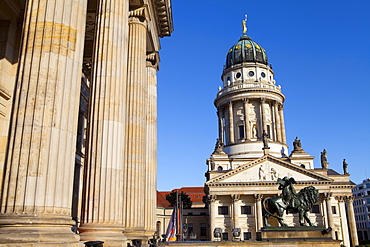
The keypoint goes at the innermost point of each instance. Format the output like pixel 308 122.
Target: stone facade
pixel 77 141
pixel 361 202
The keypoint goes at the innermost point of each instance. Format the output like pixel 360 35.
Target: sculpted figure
pixel 324 161
pixel 291 202
pixel 297 144
pixel 345 166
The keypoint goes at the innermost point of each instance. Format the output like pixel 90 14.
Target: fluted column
pixel 151 150
pixel 258 198
pixel 247 127
pixel 101 217
pixel 136 126
pixel 352 221
pixel 343 220
pixel 212 214
pixel 220 126
pixel 231 123
pixel 37 187
pixel 278 122
pixel 263 116
pixel 236 210
pixel 281 114
pixel 329 212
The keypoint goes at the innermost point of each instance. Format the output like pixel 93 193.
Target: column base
pixel 112 235
pixel 136 233
pixel 35 231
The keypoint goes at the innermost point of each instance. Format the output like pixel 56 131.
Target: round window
pixel 263 74
pixel 251 73
pixel 238 75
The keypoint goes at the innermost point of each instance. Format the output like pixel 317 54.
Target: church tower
pixel 251 154
pixel 250 103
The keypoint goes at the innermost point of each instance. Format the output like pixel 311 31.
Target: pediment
pixel 267 169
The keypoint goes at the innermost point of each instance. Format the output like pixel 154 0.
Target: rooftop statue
pixel 345 167
pixel 324 160
pixel 291 202
pixel 297 144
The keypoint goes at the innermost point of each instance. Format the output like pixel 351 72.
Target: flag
pixel 172 229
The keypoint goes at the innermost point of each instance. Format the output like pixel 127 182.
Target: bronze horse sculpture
pixel 291 202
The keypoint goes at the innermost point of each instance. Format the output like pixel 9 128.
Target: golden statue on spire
pixel 244 22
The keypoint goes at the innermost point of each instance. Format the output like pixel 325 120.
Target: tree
pixel 186 201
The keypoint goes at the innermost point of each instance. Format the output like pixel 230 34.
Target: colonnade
pixel 227 123
pixel 119 181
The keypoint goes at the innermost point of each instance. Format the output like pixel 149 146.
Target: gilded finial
pixel 245 25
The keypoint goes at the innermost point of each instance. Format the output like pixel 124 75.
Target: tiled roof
pixel 196 195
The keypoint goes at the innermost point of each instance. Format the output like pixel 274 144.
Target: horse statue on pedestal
pixel 291 202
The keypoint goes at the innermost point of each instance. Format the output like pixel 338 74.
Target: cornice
pixel 164 16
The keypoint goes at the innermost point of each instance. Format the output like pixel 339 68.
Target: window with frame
pixel 247 235
pixel 203 229
pixel 246 209
pixel 334 209
pixel 315 209
pixel 190 228
pixel 223 210
pixel 225 236
pixel 241 131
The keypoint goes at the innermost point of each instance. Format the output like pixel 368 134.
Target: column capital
pixel 328 195
pixel 281 107
pixel 152 60
pixel 263 100
pixel 258 197
pixel 235 197
pixel 139 15
pixel 245 100
pixel 212 198
pixel 349 199
pixel 340 198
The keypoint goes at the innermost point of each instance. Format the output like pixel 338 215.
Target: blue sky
pixel 320 52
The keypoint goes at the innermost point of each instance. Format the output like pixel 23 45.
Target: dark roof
pixel 245 50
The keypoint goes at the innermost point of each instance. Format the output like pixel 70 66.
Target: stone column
pixel 38 176
pixel 263 116
pixel 220 126
pixel 343 220
pixel 352 221
pixel 231 123
pixel 329 212
pixel 258 204
pixel 277 122
pixel 101 217
pixel 212 214
pixel 281 115
pixel 236 210
pixel 152 61
pixel 136 126
pixel 247 127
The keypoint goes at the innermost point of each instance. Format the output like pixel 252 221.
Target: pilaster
pixel 37 187
pixel 101 217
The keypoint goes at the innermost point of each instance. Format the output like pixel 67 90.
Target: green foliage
pixel 186 201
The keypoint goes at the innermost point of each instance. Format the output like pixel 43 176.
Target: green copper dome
pixel 245 50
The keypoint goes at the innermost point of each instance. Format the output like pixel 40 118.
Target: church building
pixel 251 153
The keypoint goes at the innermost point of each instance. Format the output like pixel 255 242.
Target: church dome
pixel 245 50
